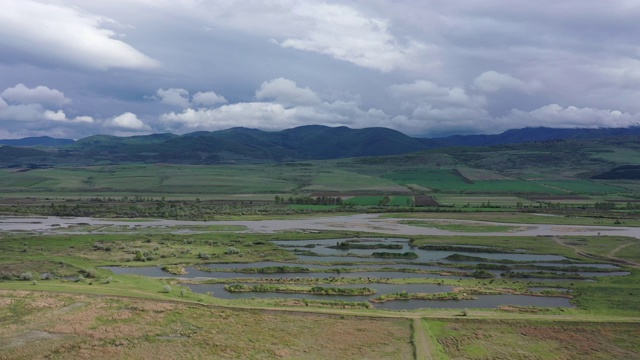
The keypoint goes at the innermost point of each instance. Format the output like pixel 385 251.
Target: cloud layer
pixel 74 68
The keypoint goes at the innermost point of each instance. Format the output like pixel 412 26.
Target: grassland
pixel 80 316
pixel 63 326
pixel 504 339
pixel 89 312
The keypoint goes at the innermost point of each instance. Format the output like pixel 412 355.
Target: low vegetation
pixel 57 297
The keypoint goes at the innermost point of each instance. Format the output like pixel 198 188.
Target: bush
pixel 232 251
pixel 27 276
pixel 166 289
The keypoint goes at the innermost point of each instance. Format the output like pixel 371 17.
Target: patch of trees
pixel 308 200
pixel 465 249
pixel 389 255
pixel 346 245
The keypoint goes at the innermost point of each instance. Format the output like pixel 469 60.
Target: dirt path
pixel 608 257
pixel 420 341
pixel 613 252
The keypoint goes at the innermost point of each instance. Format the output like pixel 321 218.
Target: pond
pixel 193 273
pixel 483 301
pixel 327 253
pixel 381 289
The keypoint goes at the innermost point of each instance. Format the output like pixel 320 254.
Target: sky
pixel 427 68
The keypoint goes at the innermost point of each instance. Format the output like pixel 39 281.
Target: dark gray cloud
pixel 74 68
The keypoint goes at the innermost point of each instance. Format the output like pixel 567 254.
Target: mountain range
pixel 311 142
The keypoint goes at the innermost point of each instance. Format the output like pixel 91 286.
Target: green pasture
pixel 445 180
pixel 476 174
pixel 138 179
pixel 333 179
pixel 365 200
pixel 401 200
pixel 584 186
pixel 478 201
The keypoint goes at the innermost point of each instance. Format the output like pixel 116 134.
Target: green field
pixel 584 187
pixel 90 312
pixel 444 180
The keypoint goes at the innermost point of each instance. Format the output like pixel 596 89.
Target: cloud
pixel 208 98
pixel 345 34
pixel 67 34
pixel 60 116
pixel 421 67
pixel 22 113
pixel 290 106
pixel 287 92
pixel 127 121
pixel 55 115
pixel 492 81
pixel 338 30
pixel 39 94
pixel 424 91
pixel 262 115
pixel 554 115
pixel 173 96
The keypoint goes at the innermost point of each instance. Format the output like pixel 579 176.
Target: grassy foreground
pixel 102 315
pixel 63 326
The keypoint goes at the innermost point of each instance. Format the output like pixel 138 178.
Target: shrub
pixel 232 251
pixel 166 289
pixel 27 276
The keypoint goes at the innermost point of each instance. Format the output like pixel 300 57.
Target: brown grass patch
pixel 88 327
pixel 502 339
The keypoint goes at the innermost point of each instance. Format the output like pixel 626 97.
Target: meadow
pixel 83 310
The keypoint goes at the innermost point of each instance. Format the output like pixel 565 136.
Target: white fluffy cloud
pixel 67 34
pixel 173 96
pixel 55 115
pixel 287 92
pixel 492 81
pixel 346 34
pixel 127 121
pixel 37 95
pixel 208 98
pixel 60 116
pixel 557 116
pixel 181 98
pixel 424 91
pixel 289 106
pixel 22 113
pixel 28 105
